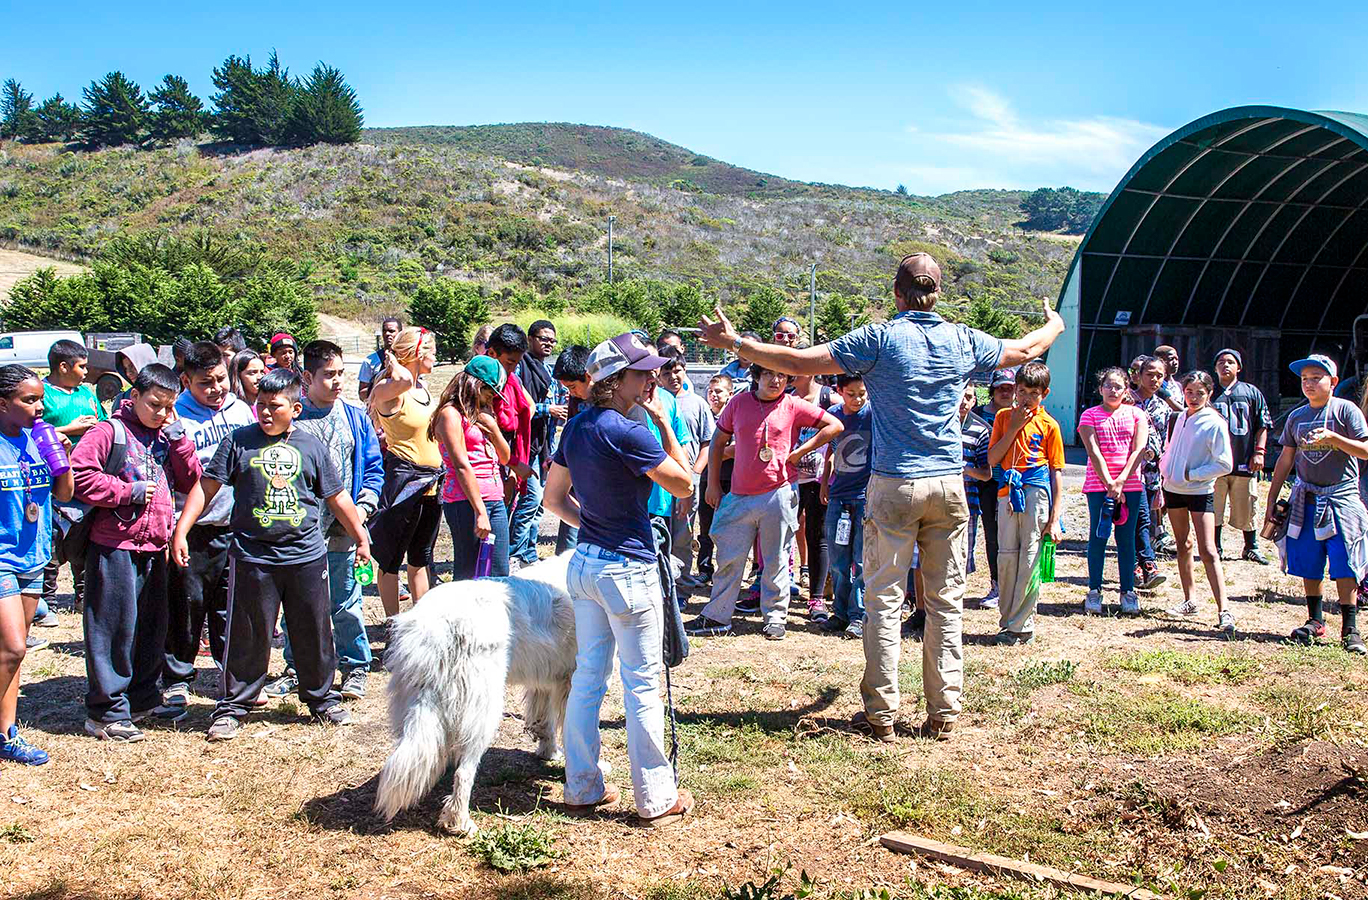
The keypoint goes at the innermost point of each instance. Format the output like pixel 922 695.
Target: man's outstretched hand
pixel 719 334
pixel 1051 313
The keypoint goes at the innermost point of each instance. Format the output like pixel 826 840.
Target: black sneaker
pixel 835 624
pixel 334 715
pixel 1353 642
pixel 1150 577
pixel 354 685
pixel 702 626
pixel 748 604
pixel 1253 555
pixel 166 712
pixel 1307 634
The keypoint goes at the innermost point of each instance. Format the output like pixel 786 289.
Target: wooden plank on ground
pixel 903 842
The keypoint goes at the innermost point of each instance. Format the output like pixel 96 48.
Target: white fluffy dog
pixel 450 657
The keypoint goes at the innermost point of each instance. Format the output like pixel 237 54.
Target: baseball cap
pixel 1001 377
pixel 915 267
pixel 487 370
pixel 282 338
pixel 626 351
pixel 1239 360
pixel 1316 359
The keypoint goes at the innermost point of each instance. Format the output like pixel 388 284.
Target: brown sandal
pixel 611 795
pixel 684 804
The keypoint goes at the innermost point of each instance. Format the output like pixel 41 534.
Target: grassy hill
pixel 522 209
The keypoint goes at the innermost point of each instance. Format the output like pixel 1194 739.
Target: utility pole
pixel 812 306
pixel 611 219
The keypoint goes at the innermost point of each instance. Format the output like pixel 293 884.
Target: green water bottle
pixel 1047 561
pixel 365 572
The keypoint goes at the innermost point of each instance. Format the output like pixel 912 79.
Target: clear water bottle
pixel 843 528
pixel 485 557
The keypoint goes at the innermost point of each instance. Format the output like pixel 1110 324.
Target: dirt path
pixel 16 265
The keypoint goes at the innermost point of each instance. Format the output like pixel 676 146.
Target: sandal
pixel 683 805
pixel 611 795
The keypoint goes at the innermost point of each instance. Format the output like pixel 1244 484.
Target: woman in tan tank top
pixel 405 526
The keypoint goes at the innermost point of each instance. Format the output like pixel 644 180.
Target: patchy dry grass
pixel 1190 666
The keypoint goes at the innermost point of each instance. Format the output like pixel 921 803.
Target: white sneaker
pixel 1092 605
pixel 1130 604
pixel 990 599
pixel 1184 608
pixel 1226 624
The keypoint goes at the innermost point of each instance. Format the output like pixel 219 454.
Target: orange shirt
pixel 1039 442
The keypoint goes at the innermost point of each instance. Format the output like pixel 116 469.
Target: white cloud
pixel 995 147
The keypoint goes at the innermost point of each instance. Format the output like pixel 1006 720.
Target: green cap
pixel 488 371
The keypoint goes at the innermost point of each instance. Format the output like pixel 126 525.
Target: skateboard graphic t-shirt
pixel 279 487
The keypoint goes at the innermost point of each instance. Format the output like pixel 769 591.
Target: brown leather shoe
pixel 611 795
pixel 684 804
pixel 935 730
pixel 860 724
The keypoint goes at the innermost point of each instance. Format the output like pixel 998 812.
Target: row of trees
pixel 259 106
pixel 1064 209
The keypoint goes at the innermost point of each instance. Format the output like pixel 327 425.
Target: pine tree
pixel 17 118
pixel 253 106
pixel 763 308
pixel 58 120
pixel 178 113
pixel 325 110
pixel 115 112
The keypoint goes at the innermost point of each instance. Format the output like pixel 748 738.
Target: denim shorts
pixel 13 584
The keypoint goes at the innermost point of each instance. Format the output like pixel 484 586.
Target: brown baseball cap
pixel 913 272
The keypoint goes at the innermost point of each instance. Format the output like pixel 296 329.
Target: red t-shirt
pixel 774 425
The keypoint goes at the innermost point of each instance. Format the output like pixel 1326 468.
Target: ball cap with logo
pixel 914 272
pixel 1316 359
pixel 626 351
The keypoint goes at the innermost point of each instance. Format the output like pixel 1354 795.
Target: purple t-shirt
pixel 608 456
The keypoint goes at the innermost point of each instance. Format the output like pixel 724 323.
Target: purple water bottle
pixel 483 561
pixel 50 448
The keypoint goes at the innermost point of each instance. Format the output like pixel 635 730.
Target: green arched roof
pixel 1251 216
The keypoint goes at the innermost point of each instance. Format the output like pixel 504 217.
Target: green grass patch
pixel 16 833
pixel 515 847
pixel 739 673
pixel 1297 714
pixel 1157 722
pixel 1043 673
pixel 1190 667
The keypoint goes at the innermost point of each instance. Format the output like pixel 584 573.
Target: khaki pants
pixel 1018 553
pixel 1242 492
pixel 901 514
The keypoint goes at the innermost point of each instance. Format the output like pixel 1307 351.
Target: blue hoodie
pixel 206 428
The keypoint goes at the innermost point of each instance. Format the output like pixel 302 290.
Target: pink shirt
pixel 755 426
pixel 1115 432
pixel 482 459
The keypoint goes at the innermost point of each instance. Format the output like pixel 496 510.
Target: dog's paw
pixel 457 822
pixel 549 752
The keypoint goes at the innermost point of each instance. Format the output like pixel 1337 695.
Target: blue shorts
pixel 12 584
pixel 1306 556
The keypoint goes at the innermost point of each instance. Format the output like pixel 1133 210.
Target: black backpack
pixel 73 517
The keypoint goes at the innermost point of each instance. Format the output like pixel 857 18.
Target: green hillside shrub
pixel 160 304
pixel 453 309
pixel 584 329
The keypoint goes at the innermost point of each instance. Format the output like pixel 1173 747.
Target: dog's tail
pixel 418 715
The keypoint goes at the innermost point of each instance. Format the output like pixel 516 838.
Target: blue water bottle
pixel 1104 521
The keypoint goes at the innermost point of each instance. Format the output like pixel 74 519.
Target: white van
pixel 30 348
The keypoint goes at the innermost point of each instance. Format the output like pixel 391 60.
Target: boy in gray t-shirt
pixel 1327 522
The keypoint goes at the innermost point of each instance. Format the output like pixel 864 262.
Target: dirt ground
pixel 1142 750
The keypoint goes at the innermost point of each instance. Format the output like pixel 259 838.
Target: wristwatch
pixel 736 344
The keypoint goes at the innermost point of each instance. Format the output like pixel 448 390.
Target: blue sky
pixel 939 98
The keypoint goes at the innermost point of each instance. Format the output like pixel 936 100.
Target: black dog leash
pixel 674 643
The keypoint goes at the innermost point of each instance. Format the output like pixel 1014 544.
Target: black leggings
pixel 814 531
pixel 988 498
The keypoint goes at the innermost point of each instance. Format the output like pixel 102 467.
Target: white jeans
pixel 617 601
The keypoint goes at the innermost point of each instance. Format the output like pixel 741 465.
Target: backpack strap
pixel 118 449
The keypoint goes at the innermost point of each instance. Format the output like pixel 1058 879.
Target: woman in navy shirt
pixel 612 462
